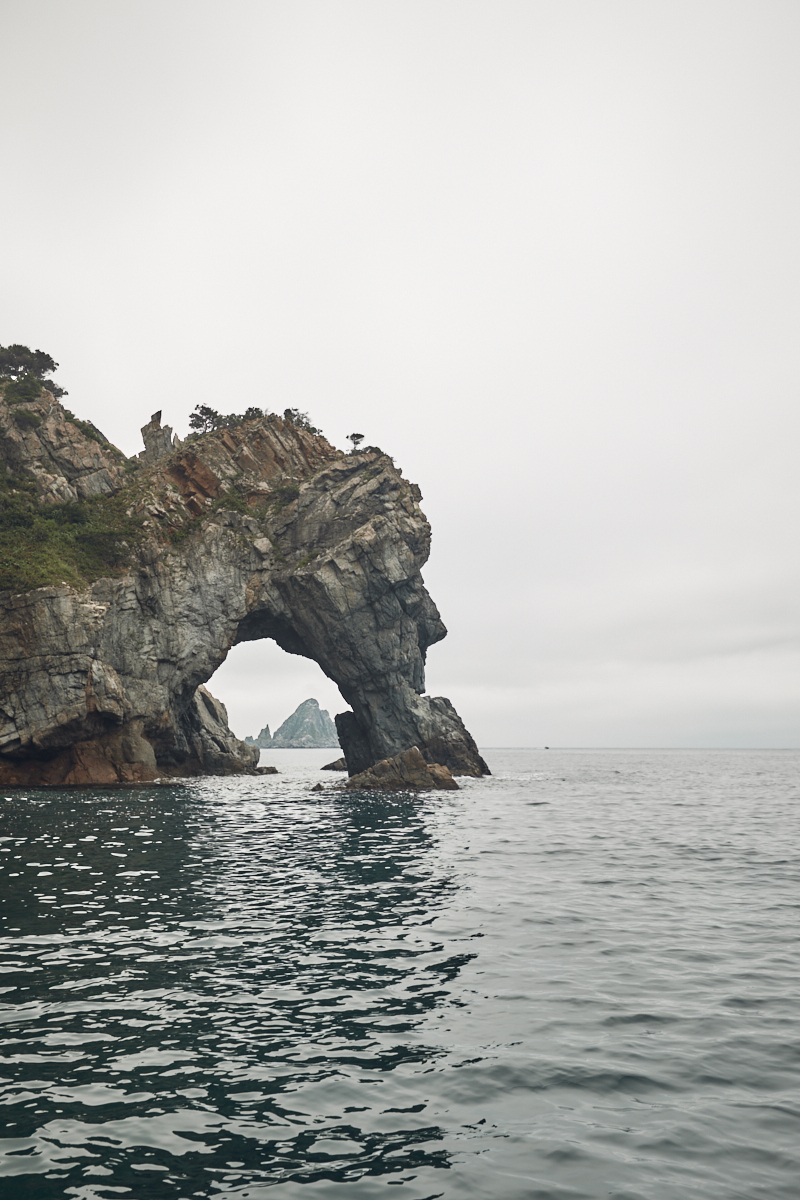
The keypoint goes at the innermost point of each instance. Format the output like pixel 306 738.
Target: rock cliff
pixel 263 530
pixel 65 459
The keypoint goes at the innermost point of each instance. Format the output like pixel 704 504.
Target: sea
pixel 576 978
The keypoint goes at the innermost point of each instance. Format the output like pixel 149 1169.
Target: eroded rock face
pixel 264 530
pixel 158 440
pixel 41 442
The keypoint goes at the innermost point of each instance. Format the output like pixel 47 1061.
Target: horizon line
pixel 782 748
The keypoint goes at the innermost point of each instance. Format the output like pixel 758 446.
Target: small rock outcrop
pixel 263 740
pixel 158 440
pixel 403 773
pixel 309 727
pixel 261 530
pixel 338 764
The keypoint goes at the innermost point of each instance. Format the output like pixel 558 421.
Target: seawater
pixel 575 979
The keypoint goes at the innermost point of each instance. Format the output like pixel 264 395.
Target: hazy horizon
pixel 545 254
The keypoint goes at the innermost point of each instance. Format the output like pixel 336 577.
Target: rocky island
pixel 125 582
pixel 309 727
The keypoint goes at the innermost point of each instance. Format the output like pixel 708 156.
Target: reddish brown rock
pixel 195 481
pixel 99 761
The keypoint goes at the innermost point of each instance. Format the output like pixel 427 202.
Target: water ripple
pixel 574 979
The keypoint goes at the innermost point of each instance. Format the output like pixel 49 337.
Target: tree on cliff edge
pixel 205 419
pixel 25 370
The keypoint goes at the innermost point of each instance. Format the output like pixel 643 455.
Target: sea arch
pixel 273 534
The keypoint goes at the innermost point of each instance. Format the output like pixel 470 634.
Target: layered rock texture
pixel 263 530
pixel 66 459
pixel 309 727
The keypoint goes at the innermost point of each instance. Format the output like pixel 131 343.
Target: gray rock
pixel 308 726
pixel 57 455
pixel 338 764
pixel 158 440
pixel 319 550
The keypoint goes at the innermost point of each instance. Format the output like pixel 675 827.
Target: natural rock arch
pixel 259 531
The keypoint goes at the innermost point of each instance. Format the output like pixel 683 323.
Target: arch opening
pixel 260 684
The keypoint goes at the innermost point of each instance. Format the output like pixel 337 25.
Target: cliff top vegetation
pixel 205 419
pixel 76 542
pixel 74 508
pixel 24 372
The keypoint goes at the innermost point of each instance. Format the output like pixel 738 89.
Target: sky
pixel 545 254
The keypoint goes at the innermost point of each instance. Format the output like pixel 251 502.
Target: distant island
pixel 309 727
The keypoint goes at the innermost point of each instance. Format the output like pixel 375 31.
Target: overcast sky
pixel 544 254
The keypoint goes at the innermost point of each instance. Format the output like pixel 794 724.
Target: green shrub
pixel 299 419
pixel 205 419
pixel 308 558
pixel 45 544
pixel 26 419
pixel 23 390
pixel 232 501
pixel 285 495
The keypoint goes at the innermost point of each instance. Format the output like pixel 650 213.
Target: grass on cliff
pixel 46 544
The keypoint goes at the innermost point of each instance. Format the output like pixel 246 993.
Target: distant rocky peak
pixel 308 727
pixel 263 741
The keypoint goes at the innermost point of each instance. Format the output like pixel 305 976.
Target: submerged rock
pixel 263 530
pixel 405 772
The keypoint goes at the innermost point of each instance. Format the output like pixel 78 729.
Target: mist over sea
pixel 577 978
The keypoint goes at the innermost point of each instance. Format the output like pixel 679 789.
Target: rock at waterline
pixel 338 764
pixel 404 772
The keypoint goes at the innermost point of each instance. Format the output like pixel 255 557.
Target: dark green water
pixel 576 979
